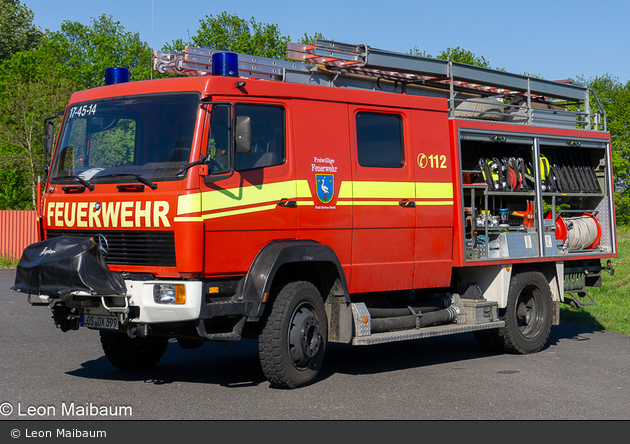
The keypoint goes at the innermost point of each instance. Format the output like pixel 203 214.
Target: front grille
pixel 150 248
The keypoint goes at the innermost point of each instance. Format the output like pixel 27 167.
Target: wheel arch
pixel 553 272
pixel 281 261
pixel 494 280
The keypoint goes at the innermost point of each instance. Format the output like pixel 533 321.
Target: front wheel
pixel 292 343
pixel 132 353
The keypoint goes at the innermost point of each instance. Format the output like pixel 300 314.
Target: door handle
pixel 287 203
pixel 407 203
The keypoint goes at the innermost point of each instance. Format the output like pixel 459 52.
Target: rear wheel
pixel 132 353
pixel 528 313
pixel 527 316
pixel 292 343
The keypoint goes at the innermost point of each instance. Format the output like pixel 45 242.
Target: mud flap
pixel 66 265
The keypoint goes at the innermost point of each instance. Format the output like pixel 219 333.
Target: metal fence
pixel 18 229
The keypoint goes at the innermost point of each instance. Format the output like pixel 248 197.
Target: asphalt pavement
pixel 582 374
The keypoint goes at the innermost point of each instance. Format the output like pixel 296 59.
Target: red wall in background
pixel 18 229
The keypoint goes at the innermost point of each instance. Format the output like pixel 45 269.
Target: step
pixel 425 332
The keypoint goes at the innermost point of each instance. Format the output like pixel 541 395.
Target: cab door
pixel 256 205
pixel 383 199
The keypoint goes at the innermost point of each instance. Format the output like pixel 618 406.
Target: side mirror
pixel 50 134
pixel 243 134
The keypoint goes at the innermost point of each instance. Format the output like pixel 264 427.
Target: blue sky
pixel 556 39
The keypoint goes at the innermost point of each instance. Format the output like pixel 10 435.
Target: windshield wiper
pixel 138 177
pixel 185 168
pixel 82 181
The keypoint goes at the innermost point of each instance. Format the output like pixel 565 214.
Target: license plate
pixel 101 322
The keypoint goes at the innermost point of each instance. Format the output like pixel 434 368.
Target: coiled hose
pixel 582 232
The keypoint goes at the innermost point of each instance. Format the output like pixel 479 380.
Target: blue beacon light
pixel 225 64
pixel 116 75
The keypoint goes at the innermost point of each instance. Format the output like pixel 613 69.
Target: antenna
pixel 198 73
pixel 152 9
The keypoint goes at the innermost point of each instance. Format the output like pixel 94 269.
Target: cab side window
pixel 268 137
pixel 379 140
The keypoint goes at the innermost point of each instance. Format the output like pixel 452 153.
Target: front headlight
pixel 169 293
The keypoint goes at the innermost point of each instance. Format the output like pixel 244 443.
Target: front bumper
pixel 140 294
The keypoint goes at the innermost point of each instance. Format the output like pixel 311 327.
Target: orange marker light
pixel 180 294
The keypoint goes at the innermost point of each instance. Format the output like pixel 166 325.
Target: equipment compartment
pixel 507 197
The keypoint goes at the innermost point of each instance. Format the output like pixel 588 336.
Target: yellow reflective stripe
pixel 250 195
pixel 373 191
pixel 242 196
pixel 345 190
pixel 303 189
pixel 226 213
pixel 383 190
pixel 189 203
pixel 236 212
pixel 434 190
pixel 396 190
pixel 357 203
pixel 427 203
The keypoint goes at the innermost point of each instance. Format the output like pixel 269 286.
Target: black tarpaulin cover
pixel 65 265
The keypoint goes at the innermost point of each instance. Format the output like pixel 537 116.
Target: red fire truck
pixel 349 195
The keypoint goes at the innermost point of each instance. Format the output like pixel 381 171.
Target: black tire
pixel 132 353
pixel 528 314
pixel 292 343
pixel 527 317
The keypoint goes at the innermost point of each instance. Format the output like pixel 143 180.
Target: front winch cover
pixel 66 265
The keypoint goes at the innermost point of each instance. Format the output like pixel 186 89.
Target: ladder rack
pixel 472 92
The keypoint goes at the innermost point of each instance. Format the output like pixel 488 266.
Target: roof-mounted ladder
pixel 472 92
pixel 540 99
pixel 198 61
pixel 406 67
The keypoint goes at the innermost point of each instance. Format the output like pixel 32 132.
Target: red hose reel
pixel 563 232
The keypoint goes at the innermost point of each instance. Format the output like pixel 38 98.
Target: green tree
pixel 27 97
pixel 228 32
pixel 614 97
pixel 14 189
pixel 84 52
pixel 17 31
pixel 308 40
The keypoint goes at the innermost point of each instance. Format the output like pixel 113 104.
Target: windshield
pixel 108 140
